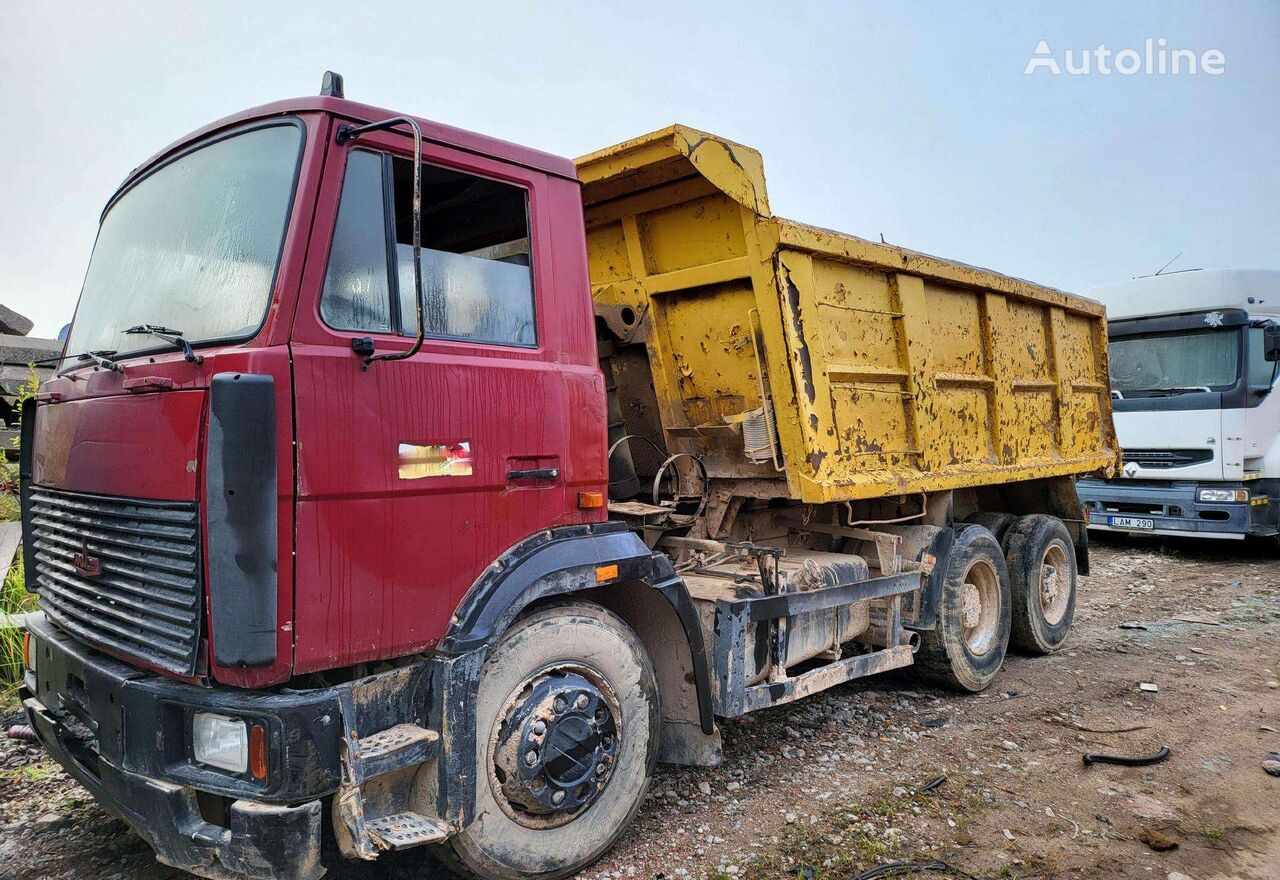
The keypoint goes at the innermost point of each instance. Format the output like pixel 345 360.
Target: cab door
pixel 415 474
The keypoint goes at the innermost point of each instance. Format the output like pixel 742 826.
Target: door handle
pixel 535 474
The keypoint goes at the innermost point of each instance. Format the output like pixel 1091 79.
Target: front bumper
pixel 125 735
pixel 259 840
pixel 1171 509
pixel 90 713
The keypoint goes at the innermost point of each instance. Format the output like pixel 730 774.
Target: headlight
pixel 220 741
pixel 1222 496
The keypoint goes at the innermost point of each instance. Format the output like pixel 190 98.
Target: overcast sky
pixel 914 121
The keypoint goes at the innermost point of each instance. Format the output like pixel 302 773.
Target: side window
pixel 477 275
pixel 357 287
pixel 1261 370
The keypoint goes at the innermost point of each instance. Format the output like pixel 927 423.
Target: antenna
pixel 1170 263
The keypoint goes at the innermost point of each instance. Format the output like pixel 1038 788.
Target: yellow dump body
pixel 889 371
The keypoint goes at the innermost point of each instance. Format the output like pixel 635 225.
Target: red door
pixel 414 475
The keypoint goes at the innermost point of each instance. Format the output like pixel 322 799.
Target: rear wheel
pixel 567 736
pixel 967 647
pixel 1042 573
pixel 996 523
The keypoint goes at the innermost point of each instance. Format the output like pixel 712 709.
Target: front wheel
pixel 567 722
pixel 967 646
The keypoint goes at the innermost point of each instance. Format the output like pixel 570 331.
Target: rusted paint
pixel 891 371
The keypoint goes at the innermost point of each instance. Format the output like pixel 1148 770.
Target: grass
pixel 845 840
pixel 30 772
pixel 14 598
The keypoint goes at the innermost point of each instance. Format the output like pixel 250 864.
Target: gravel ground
pixel 827 787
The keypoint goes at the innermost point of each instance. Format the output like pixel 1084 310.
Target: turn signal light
pixel 26 650
pixel 590 500
pixel 258 752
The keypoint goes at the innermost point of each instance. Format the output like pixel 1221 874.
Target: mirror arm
pixel 348 133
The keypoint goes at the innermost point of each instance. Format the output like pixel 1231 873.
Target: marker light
pixel 220 741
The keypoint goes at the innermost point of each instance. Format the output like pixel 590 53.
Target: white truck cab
pixel 1194 360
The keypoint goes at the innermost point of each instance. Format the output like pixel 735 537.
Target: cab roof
pixel 1256 291
pixel 359 114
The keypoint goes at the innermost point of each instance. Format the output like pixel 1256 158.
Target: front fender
pixel 568 560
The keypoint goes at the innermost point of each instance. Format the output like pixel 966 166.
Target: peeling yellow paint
pixel 891 371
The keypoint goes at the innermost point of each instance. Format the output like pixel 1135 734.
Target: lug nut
pixel 559 705
pixel 581 701
pixel 557 798
pixel 539 728
pixel 600 769
pixel 531 757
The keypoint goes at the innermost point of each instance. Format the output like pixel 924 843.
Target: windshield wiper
pixel 1177 389
pixel 1184 389
pixel 173 337
pixel 100 356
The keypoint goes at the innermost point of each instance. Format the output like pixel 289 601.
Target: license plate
pixel 1130 522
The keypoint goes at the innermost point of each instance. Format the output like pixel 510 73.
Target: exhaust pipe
pixel 878 637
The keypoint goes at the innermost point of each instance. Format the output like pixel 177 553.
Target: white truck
pixel 1194 361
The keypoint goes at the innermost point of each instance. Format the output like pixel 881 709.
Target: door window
pixel 1262 372
pixel 477 273
pixel 357 286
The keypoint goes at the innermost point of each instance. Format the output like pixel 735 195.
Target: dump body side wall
pixel 907 383
pixel 890 372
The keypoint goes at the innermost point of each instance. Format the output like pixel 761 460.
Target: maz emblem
pixel 89 566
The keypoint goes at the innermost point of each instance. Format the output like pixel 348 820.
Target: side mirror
pixel 364 346
pixel 1271 342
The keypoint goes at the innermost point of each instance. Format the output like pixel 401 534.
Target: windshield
pixel 1201 359
pixel 193 246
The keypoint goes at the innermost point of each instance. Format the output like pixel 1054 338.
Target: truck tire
pixel 1042 573
pixel 967 647
pixel 567 719
pixel 996 523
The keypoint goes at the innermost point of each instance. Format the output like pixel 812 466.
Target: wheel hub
pixel 1049 582
pixel 971 610
pixel 1055 584
pixel 980 607
pixel 556 747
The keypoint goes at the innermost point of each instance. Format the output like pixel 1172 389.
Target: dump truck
pixel 406 488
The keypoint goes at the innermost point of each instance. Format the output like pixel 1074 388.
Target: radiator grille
pixel 1168 458
pixel 144 599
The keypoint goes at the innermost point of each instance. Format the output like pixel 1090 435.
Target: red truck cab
pixel 504 398
pixel 246 376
